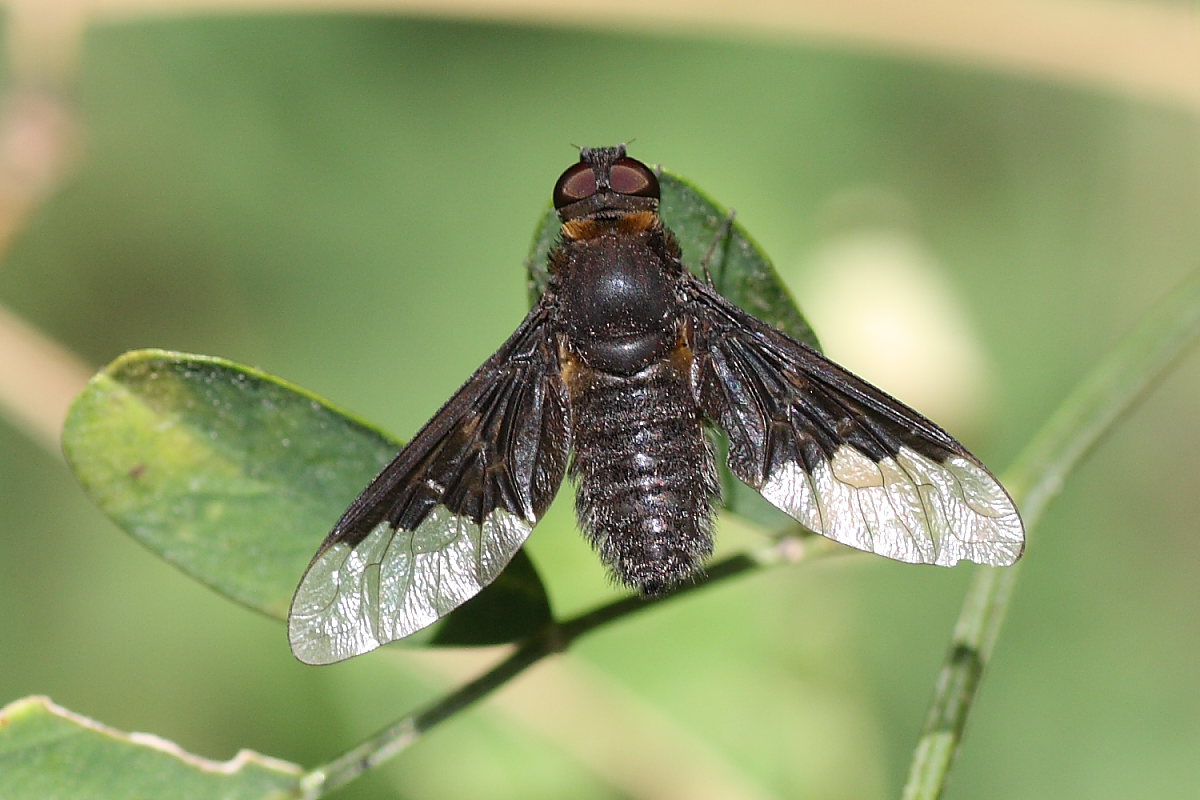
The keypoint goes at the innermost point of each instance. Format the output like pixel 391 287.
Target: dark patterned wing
pixel 448 513
pixel 840 456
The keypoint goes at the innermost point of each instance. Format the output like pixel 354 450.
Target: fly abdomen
pixel 645 473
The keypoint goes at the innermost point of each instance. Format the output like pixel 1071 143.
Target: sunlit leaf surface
pixel 235 477
pixel 47 752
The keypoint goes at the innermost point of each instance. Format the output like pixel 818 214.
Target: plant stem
pixel 397 737
pixel 1088 413
pixel 556 637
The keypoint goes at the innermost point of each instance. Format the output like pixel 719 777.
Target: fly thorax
pixel 618 301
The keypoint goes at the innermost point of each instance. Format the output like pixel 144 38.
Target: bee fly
pixel 627 359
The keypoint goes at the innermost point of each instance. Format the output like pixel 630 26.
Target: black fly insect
pixel 627 360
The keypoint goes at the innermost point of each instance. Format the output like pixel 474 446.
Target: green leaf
pixel 235 477
pixel 50 753
pixel 740 271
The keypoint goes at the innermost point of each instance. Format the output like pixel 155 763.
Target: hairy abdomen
pixel 644 472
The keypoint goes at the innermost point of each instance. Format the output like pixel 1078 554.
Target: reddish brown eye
pixel 629 176
pixel 574 185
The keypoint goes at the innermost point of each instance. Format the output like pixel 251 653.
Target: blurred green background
pixel 346 201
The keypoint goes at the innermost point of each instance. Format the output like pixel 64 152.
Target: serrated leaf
pixel 235 477
pixel 50 753
pixel 740 271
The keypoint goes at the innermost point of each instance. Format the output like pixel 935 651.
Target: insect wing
pixel 448 513
pixel 839 455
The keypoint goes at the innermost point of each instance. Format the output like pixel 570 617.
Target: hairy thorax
pixel 618 303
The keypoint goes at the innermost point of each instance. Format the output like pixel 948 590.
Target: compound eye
pixel 632 177
pixel 575 184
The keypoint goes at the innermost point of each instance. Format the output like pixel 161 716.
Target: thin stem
pixel 1086 416
pixel 38 147
pixel 787 548
pixel 397 737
